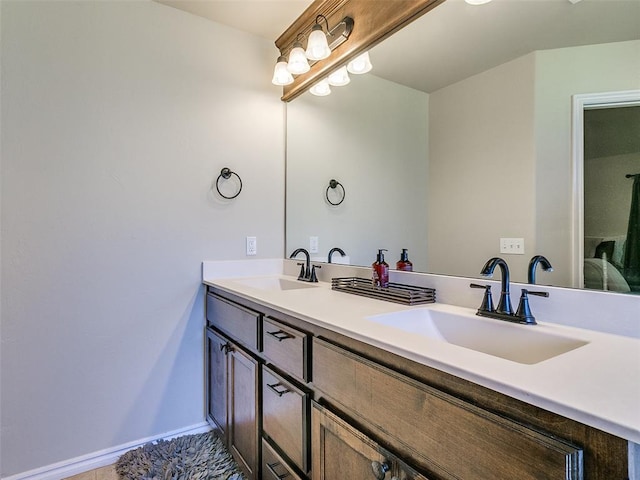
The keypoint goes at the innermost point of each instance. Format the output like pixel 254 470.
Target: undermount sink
pixel 274 283
pixel 519 343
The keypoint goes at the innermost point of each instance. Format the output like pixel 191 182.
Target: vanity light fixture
pixel 321 89
pixel 298 62
pixel 318 46
pixel 477 2
pixel 281 76
pixel 339 78
pixel 360 64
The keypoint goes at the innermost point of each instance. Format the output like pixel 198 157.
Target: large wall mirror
pixel 461 136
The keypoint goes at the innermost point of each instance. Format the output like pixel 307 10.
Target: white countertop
pixel 597 384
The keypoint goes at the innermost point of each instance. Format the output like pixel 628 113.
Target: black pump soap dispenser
pixel 380 270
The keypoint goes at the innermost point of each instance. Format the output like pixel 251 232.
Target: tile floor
pixel 103 473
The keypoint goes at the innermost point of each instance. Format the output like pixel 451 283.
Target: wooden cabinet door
pixel 339 451
pixel 243 410
pixel 217 381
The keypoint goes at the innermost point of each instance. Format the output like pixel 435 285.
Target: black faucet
pixel 332 251
pixel 504 304
pixel 505 310
pixel 544 263
pixel 307 272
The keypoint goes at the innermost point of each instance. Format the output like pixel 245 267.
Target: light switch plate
pixel 313 244
pixel 512 246
pixel 252 246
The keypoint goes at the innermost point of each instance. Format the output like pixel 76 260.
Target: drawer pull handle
pixel 379 469
pixel 273 387
pixel 271 467
pixel 226 347
pixel 280 335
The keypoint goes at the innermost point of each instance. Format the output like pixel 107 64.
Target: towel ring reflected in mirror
pixel 226 174
pixel 333 184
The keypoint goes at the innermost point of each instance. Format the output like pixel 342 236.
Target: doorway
pixel 606 162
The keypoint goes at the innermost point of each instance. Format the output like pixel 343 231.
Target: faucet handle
pixel 538 294
pixel 303 273
pixel 524 314
pixel 487 300
pixel 314 278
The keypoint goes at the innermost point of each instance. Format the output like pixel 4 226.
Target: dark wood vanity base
pixel 330 407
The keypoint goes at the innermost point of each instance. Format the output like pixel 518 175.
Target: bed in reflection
pixel 603 266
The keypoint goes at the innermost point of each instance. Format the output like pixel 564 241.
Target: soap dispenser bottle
pixel 404 264
pixel 380 270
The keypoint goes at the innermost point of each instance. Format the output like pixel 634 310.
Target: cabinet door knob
pixel 379 469
pixel 225 347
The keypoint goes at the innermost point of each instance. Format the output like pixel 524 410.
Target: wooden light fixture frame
pixel 374 20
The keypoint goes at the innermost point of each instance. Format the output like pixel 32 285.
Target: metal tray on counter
pixel 395 292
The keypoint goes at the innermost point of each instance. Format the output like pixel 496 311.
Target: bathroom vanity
pixel 298 396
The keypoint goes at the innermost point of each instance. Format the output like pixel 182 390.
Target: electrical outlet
pixel 313 244
pixel 252 246
pixel 512 246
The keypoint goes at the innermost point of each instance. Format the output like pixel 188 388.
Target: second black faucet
pixel 307 271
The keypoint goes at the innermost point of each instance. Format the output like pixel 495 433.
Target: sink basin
pixel 519 343
pixel 274 283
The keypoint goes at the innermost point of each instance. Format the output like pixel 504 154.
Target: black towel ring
pixel 333 184
pixel 226 174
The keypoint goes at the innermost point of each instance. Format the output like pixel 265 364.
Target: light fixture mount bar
pixel 376 19
pixel 340 33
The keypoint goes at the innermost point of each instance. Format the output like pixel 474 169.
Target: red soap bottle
pixel 380 270
pixel 404 264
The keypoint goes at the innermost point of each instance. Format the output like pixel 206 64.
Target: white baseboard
pixel 67 468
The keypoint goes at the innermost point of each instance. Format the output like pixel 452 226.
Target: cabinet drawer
pixel 238 322
pixel 441 433
pixel 286 348
pixel 273 466
pixel 285 411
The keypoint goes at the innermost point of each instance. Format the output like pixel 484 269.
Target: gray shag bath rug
pixel 191 457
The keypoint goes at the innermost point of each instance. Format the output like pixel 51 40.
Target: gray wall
pixel 608 194
pixel 482 156
pixel 500 156
pixel 116 118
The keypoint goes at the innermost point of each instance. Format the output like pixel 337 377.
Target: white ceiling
pixel 265 18
pixel 455 40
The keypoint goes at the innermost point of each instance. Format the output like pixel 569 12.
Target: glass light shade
pixel 339 78
pixel 321 89
pixel 317 47
pixel 297 60
pixel 477 2
pixel 360 64
pixel 281 76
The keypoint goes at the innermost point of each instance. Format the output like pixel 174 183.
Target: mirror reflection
pixel 459 142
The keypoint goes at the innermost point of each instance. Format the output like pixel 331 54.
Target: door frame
pixel 581 103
